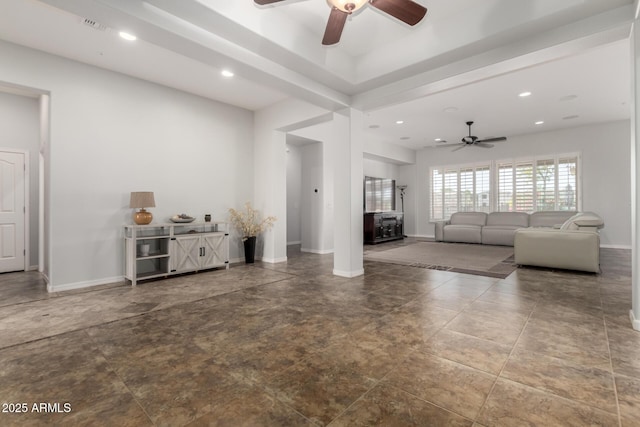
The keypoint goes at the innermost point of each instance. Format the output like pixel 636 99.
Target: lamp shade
pixel 142 199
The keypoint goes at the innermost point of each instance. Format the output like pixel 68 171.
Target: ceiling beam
pixel 568 40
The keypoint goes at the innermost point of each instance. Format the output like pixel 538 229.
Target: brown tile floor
pixel 290 344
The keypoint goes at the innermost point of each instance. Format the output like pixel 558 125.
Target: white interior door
pixel 12 211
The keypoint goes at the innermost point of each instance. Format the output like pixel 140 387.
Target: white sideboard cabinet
pixel 160 250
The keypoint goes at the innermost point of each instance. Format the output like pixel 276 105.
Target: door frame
pixel 27 204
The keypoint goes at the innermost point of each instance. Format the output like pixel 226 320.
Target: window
pixel 515 187
pixel 567 184
pixel 379 194
pixel 545 183
pixel 455 189
pixel 483 187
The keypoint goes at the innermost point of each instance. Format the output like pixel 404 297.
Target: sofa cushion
pixel 583 220
pixel 499 234
pixel 573 250
pixel 468 218
pixel 569 224
pixel 549 218
pixel 519 219
pixel 461 233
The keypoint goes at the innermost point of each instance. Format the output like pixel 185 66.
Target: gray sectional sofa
pixel 495 228
pixel 557 239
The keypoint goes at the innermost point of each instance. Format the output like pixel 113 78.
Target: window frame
pixel 535 162
pixel 495 199
pixel 457 170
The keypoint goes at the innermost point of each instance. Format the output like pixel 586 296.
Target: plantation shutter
pixel 483 189
pixel 545 185
pixel 450 192
pixel 524 187
pixel 505 187
pixel 467 192
pixel 437 194
pixel 567 184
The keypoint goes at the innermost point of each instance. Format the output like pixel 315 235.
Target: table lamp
pixel 142 200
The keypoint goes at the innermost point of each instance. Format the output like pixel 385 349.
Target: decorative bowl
pixel 182 218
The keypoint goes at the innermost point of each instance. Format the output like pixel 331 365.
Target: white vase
pixel 144 250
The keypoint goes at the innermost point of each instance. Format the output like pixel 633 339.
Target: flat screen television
pixel 379 194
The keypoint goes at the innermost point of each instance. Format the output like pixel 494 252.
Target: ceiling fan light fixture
pixel 348 6
pixel 127 36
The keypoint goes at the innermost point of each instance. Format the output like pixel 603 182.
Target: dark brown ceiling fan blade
pixel 407 11
pixel 263 2
pixel 332 33
pixel 496 139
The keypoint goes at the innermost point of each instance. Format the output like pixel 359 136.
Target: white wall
pixel 380 169
pixel 389 152
pixel 112 134
pixel 606 175
pixel 313 194
pixel 317 173
pixel 270 174
pixel 20 129
pixel 294 194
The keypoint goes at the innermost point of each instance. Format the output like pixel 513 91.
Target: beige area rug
pixel 482 260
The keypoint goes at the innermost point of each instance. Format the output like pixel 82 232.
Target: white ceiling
pixel 474 55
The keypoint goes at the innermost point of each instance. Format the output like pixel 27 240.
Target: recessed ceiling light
pixel 374 126
pixel 540 122
pixel 440 140
pixel 524 94
pixel 227 73
pixel 450 110
pixel 127 36
pixel 399 122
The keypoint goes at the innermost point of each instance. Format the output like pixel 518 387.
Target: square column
pixel 635 175
pixel 347 153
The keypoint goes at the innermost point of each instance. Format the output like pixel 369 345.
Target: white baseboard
pixel 32 268
pixel 635 323
pixel 317 251
pixel 421 236
pixel 348 274
pixel 80 285
pixel 273 260
pixel 616 246
pixel 293 243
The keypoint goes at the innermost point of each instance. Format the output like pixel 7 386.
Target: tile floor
pixel 290 345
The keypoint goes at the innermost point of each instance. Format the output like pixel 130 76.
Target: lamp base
pixel 142 217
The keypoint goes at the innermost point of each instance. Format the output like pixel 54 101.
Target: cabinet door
pixel 185 253
pixel 215 250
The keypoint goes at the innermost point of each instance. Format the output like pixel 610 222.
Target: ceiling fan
pixel 406 11
pixel 477 142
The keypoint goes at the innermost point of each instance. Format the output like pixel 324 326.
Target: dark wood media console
pixel 383 226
